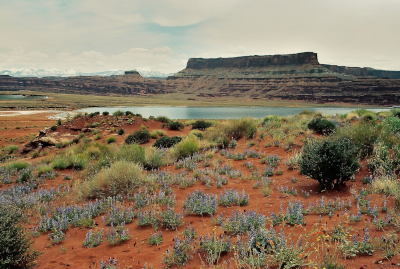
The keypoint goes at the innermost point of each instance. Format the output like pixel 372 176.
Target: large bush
pixel 167 142
pixel 201 125
pixel 120 178
pixel 175 125
pixel 163 119
pixel 15 244
pixel 329 161
pixel 138 137
pixel 321 125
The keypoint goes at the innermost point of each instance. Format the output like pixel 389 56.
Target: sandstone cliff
pixel 281 77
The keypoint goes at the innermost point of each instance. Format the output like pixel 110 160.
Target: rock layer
pixel 281 77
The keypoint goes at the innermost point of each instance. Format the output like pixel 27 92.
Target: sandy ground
pixel 135 252
pixel 26 112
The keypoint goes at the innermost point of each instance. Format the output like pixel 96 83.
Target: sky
pixel 101 35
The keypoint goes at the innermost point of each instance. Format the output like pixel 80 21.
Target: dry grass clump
pixel 235 129
pixel 121 177
pixel 187 147
pixel 387 185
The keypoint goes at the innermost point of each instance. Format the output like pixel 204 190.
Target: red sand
pixel 134 253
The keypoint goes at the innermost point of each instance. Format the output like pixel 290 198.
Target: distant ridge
pixel 40 73
pixel 295 77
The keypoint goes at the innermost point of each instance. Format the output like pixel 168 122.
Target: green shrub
pixel 239 128
pixel 105 113
pixel 15 244
pixel 95 124
pixel 198 134
pixel 60 162
pixel 10 149
pixel 186 147
pixel 127 113
pixel 97 137
pixel 232 129
pixel 364 137
pixel 321 125
pixel 53 128
pixel 138 137
pixel 167 142
pixel 118 113
pixel 121 177
pixel 153 158
pixel 163 119
pixel 94 114
pixel 131 153
pixel 18 165
pixel 395 112
pixel 43 169
pixel 120 132
pixel 272 122
pixel 201 125
pixel 175 125
pixel 369 118
pixel 111 139
pixel 393 124
pixel 25 176
pixel 86 140
pixel 77 161
pixel 329 161
pixel 361 112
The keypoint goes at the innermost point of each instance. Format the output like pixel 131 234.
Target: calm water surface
pixel 221 112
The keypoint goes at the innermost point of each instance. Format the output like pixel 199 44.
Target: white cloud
pixel 100 34
pixel 161 59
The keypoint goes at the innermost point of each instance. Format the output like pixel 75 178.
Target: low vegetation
pixel 304 191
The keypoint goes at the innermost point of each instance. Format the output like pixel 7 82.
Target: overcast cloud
pixel 100 35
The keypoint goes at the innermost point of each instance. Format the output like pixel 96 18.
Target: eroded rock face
pixel 254 61
pixel 276 77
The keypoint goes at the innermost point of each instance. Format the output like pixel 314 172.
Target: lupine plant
pixel 220 180
pixel 93 239
pixel 233 197
pixel 57 236
pixel 241 223
pixel 180 254
pixel 170 219
pixel 189 232
pixel 116 216
pixel 156 239
pixel 286 190
pixel 117 234
pixel 213 246
pixel 112 264
pixel 200 203
pixel 149 218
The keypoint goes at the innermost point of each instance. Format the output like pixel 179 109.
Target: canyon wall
pixel 276 77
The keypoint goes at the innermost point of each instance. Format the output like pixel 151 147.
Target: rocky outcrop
pixel 254 61
pixel 129 83
pixel 363 71
pixel 277 77
pixel 288 77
